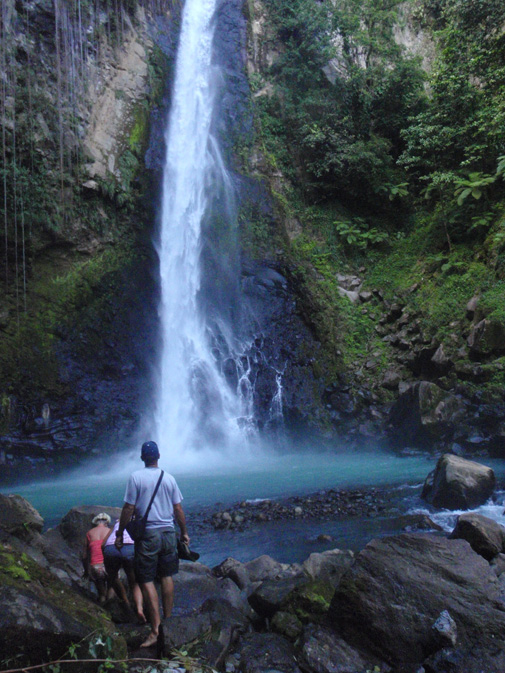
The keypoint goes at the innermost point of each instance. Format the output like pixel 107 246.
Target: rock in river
pixel 485 536
pixel 457 483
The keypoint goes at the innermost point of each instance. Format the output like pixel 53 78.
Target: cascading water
pixel 197 408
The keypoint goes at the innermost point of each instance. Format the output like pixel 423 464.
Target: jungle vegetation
pixel 395 160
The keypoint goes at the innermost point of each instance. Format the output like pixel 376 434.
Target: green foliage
pixel 344 134
pixel 159 69
pixel 400 190
pixel 356 232
pixel 456 145
pixel 474 185
pixel 492 302
pixel 444 282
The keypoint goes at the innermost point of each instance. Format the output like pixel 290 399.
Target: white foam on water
pixel 493 509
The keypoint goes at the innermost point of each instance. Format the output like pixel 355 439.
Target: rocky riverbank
pixel 415 602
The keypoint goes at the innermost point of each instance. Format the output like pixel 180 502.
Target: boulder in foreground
pixel 457 483
pixel 41 617
pixel 397 589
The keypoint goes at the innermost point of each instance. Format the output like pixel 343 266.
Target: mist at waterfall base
pixel 271 476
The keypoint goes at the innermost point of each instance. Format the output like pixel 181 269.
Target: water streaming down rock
pixel 197 407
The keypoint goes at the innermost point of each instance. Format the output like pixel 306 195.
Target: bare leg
pixel 139 603
pixel 167 595
pixel 120 589
pixel 151 600
pixel 102 590
pixel 110 591
pixel 97 574
pixel 137 595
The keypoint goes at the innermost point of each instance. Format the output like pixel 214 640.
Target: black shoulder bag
pixel 136 527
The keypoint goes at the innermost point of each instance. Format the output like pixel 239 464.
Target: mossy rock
pixel 487 337
pixel 287 624
pixel 18 517
pixel 42 617
pixel 309 602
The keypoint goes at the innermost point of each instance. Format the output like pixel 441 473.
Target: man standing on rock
pixel 156 553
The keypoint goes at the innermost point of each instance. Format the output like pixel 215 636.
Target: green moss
pixel 444 281
pixel 443 296
pixel 310 602
pixel 259 234
pixel 14 568
pixel 15 571
pixel 494 373
pixel 492 302
pixel 140 130
pixel 159 67
pixel 58 298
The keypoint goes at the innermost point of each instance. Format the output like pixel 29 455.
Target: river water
pixel 270 476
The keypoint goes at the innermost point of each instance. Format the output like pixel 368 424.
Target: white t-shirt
pixel 139 490
pixel 112 537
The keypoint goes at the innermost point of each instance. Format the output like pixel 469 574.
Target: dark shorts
pixel 114 559
pixel 156 556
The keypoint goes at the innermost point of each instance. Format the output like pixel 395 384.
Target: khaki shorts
pixel 156 555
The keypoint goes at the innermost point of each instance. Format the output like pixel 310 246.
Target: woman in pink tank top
pixel 93 555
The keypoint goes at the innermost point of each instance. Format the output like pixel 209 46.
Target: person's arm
pixel 126 515
pixel 181 520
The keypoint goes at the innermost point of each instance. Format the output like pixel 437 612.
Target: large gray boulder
pixel 21 527
pixel 424 412
pixel 195 584
pixel 19 518
pixel 64 561
pixel 235 570
pixel 286 624
pixel 270 595
pixel 216 624
pixel 77 521
pixel 487 336
pixel 328 566
pixel 465 660
pixel 486 537
pixel 458 483
pixel 31 626
pixel 41 616
pixel 389 600
pixel 267 653
pixel 264 568
pixel 321 650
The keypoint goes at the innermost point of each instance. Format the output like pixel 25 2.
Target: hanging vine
pixel 43 83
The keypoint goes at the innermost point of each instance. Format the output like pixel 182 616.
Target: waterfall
pixel 198 407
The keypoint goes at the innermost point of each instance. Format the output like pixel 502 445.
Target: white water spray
pixel 196 408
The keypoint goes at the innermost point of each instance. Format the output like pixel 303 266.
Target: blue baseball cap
pixel 149 450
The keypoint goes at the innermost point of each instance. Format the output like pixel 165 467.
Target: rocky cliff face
pixel 79 312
